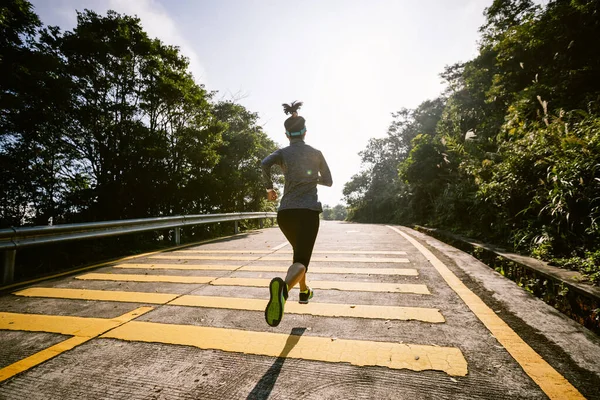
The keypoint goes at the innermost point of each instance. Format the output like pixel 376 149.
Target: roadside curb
pixel 562 289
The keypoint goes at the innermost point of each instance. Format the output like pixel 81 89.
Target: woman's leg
pixel 296 274
pixel 302 227
pixel 290 223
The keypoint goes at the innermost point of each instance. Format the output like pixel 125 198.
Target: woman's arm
pixel 324 173
pixel 266 164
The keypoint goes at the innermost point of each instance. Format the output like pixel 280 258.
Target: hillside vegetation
pixel 510 152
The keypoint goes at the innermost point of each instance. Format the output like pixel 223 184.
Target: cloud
pixel 157 23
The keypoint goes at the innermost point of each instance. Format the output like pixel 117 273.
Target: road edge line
pixel 552 383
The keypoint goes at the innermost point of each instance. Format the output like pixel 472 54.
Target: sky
pixel 352 62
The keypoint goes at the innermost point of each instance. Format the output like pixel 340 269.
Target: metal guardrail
pixel 18 238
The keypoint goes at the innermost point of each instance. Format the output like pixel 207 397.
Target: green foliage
pixel 243 147
pixel 337 213
pixel 378 194
pixel 512 155
pixel 104 122
pixel 588 264
pixel 547 184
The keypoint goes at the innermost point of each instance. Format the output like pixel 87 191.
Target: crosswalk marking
pixel 83 329
pixel 65 325
pixel 337 270
pixel 343 259
pixel 356 352
pixel 198 251
pixel 101 295
pixel 41 356
pixel 146 278
pixel 189 267
pixel 326 285
pixel 269 268
pixel 430 315
pixel 173 256
pixel 220 251
pixel 332 285
pixel 367 252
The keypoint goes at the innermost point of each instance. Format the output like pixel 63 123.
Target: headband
pixel 300 133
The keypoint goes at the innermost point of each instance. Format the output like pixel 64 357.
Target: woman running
pixel 298 216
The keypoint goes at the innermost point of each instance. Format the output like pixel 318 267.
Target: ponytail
pixel 292 108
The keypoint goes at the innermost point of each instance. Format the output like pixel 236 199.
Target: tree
pixel 340 213
pixel 236 180
pixel 327 213
pixel 34 98
pixel 143 126
pixel 103 122
pixel 512 155
pixel 377 194
pixel 337 213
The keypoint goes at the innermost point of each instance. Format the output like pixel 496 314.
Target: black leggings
pixel 300 227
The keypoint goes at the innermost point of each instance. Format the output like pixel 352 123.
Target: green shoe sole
pixel 274 310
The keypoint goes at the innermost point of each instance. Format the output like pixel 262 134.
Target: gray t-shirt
pixel 303 168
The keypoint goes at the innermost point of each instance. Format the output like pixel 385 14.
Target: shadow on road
pixel 262 390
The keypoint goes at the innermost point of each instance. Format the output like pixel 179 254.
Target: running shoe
pixel 274 310
pixel 306 295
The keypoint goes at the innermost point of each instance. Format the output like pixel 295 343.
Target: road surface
pixel 396 315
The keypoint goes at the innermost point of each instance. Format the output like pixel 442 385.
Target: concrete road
pixel 396 315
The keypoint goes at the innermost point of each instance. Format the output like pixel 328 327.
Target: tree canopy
pixel 104 122
pixel 510 152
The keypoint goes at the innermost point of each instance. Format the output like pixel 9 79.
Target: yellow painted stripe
pixel 332 285
pixel 554 385
pixel 199 251
pixel 41 356
pixel 101 295
pixel 44 324
pixel 356 352
pixel 365 252
pixel 283 259
pixel 209 258
pixel 431 315
pixel 268 251
pixel 146 278
pixel 269 268
pixel 65 325
pixel 337 270
pixel 192 267
pixel 342 259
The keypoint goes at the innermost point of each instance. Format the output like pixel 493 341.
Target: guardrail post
pixel 261 223
pixel 236 228
pixel 177 236
pixel 9 266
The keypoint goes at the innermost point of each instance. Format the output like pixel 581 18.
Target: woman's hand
pixel 271 195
